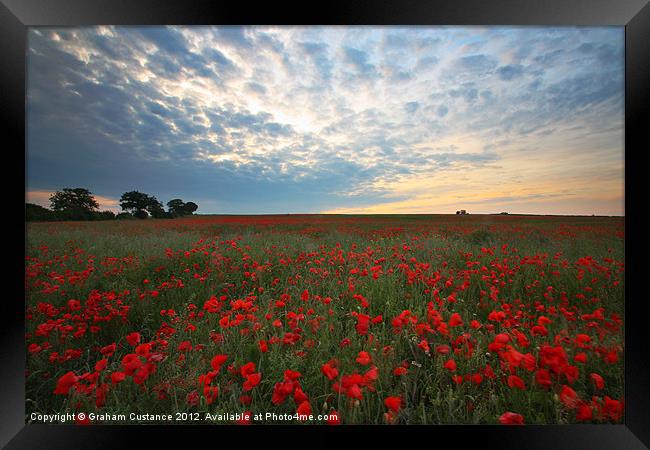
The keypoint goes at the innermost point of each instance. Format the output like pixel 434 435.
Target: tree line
pixel 80 204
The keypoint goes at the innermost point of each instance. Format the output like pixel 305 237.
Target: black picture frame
pixel 634 15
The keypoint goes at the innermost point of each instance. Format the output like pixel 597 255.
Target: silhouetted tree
pixel 103 215
pixel 155 208
pixel 74 204
pixel 179 208
pixel 190 207
pixel 176 207
pixel 35 212
pixel 139 204
pixel 134 201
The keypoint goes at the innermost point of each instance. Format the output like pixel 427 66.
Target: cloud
pixel 476 63
pixel 256 87
pixel 411 107
pixel 510 72
pixel 318 53
pixel 359 60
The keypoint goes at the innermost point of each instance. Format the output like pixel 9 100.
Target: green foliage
pixel 482 236
pixel 190 207
pixel 104 215
pixel 141 205
pixel 178 208
pixel 37 213
pixel 78 204
pixel 77 200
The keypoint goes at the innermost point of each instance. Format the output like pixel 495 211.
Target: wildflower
pixel 64 383
pixel 510 418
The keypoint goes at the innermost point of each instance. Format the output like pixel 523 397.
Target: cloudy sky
pixel 331 119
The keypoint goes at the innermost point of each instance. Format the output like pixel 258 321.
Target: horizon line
pixel 405 214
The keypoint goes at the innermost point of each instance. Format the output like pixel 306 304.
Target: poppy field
pixel 388 319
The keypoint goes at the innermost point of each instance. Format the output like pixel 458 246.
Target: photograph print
pixel 332 225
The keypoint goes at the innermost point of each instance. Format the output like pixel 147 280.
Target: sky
pixel 263 120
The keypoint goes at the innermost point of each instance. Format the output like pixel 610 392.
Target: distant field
pixel 406 319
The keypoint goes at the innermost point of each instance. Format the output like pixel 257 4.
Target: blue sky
pixel 331 119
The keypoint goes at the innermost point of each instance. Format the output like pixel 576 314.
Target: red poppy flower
pixel 280 392
pixel 330 372
pixel 101 365
pixel 117 377
pixel 363 358
pixel 333 418
pixel 613 408
pixel 291 375
pixel 443 349
pixel 218 361
pixel 455 320
pixel 584 413
pixel 34 348
pixel 543 378
pixel 85 421
pixel 131 363
pixel 450 365
pixel 247 369
pixel 143 349
pixel 65 382
pixel 370 376
pixel 354 391
pixel 510 418
pixel 252 380
pixel 580 357
pixel 569 397
pixel 393 403
pixel 598 381
pixel 299 396
pixel 108 350
pixel 133 338
pixel 210 393
pixel 185 346
pixel 515 382
pixel 263 346
pixel 304 409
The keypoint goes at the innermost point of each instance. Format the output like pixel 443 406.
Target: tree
pixel 124 216
pixel 155 208
pixel 179 208
pixel 74 204
pixel 142 205
pixel 190 207
pixel 136 203
pixel 35 212
pixel 176 207
pixel 103 215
